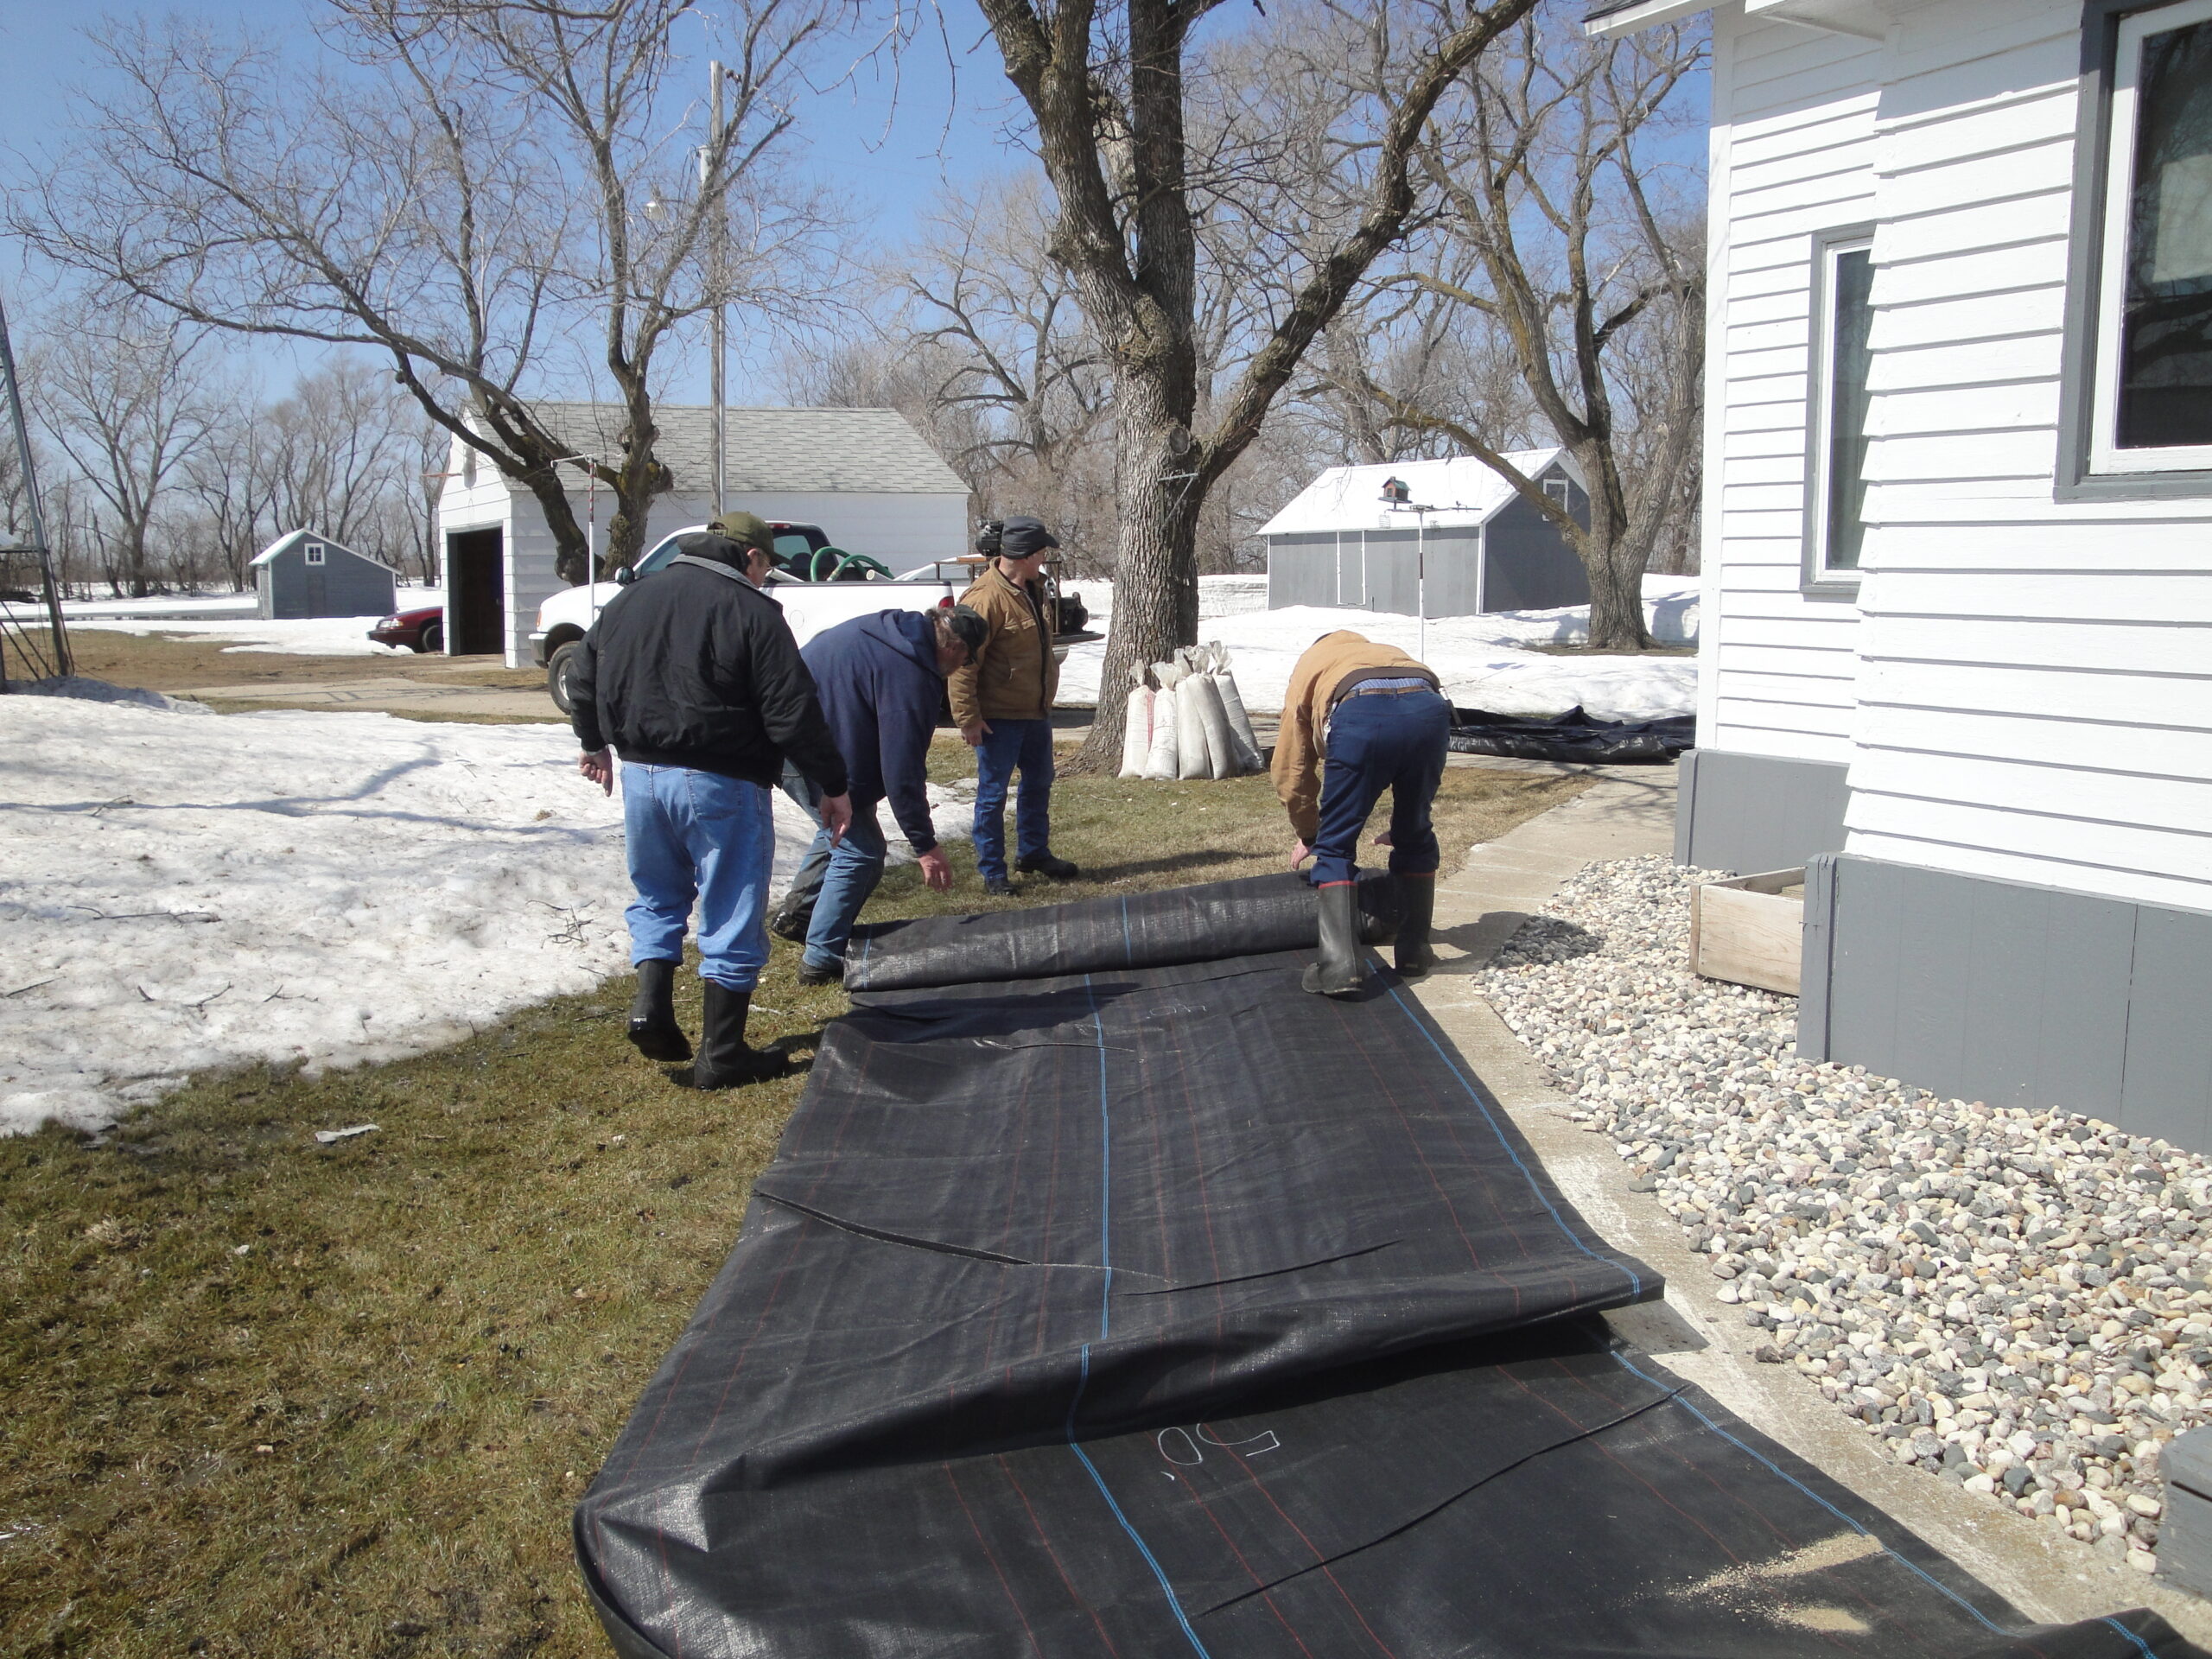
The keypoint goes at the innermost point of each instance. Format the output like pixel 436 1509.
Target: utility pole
pixel 710 180
pixel 55 660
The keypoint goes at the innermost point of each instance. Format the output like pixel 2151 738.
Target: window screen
pixel 1852 283
pixel 2165 393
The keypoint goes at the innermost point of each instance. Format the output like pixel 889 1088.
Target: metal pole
pixel 62 663
pixel 711 182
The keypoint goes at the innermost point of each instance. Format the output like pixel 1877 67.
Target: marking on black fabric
pixel 1189 1438
pixel 1144 1549
pixel 1636 1281
pixel 1853 1522
pixel 1105 1177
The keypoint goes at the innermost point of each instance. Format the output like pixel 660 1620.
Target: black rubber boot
pixel 653 1030
pixel 726 1060
pixel 1044 864
pixel 1417 909
pixel 1337 972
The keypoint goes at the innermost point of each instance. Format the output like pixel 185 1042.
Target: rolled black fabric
pixel 1146 930
pixel 1170 1310
pixel 1573 738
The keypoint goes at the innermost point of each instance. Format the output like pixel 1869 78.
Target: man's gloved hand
pixel 837 816
pixel 599 768
pixel 936 870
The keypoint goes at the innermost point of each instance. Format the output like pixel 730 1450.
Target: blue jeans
pixel 1023 746
pixel 806 886
pixel 1394 742
pixel 850 871
pixel 698 835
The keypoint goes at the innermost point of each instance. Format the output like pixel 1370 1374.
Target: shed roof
pixel 286 542
pixel 1466 490
pixel 857 450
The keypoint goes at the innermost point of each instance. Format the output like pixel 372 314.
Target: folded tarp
pixel 1574 737
pixel 1171 1310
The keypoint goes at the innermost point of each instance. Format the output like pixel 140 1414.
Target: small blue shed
pixel 306 575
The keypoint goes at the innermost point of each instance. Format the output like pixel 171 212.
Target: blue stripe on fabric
pixel 1128 949
pixel 1636 1281
pixel 1857 1526
pixel 1105 1173
pixel 1144 1549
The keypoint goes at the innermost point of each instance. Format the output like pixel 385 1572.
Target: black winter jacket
pixel 695 667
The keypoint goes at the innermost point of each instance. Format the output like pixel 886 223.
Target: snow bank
pixel 179 892
pixel 318 636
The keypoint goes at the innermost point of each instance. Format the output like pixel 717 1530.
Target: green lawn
pixel 269 1397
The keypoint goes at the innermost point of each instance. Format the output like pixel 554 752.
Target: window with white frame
pixel 1837 403
pixel 2150 379
pixel 1555 488
pixel 315 552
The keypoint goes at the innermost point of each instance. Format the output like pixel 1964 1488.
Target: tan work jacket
pixel 1332 666
pixel 1014 675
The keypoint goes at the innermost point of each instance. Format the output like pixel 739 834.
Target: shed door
pixel 476 599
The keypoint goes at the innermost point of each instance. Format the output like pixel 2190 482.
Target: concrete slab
pixel 2049 1577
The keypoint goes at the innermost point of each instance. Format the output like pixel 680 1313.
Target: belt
pixel 1387 689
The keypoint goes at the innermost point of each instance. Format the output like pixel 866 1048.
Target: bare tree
pixel 491 175
pixel 127 410
pixel 1106 90
pixel 1586 272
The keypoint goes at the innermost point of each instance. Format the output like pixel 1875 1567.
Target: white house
pixel 865 475
pixel 1464 542
pixel 1957 588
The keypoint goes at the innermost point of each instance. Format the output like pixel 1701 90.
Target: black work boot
pixel 725 1059
pixel 1417 909
pixel 793 917
pixel 1337 972
pixel 653 1030
pixel 1044 864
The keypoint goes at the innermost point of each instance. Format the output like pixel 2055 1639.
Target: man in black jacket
pixel 692 676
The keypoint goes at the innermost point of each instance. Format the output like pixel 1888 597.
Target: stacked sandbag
pixel 1136 727
pixel 1203 696
pixel 1160 759
pixel 1233 702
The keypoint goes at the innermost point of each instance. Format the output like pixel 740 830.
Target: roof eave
pixel 1643 14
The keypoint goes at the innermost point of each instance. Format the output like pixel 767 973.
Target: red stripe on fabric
pixel 993 1559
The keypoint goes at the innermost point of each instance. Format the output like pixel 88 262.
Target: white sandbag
pixel 1191 758
pixel 1221 747
pixel 1232 705
pixel 1160 762
pixel 1136 728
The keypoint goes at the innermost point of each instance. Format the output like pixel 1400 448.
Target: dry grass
pixel 269 1397
pixel 172 661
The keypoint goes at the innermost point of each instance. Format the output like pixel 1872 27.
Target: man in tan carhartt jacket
pixel 1002 702
pixel 1360 718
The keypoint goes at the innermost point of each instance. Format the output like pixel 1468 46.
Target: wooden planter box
pixel 1750 930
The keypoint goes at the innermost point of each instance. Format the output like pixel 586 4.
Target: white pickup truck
pixel 817 586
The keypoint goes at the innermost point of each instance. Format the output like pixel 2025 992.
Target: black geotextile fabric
pixel 1572 737
pixel 1212 920
pixel 1171 1310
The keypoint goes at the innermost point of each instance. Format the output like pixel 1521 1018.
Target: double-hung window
pixel 2141 355
pixel 1837 404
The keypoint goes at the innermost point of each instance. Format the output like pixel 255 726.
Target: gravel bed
pixel 2012 1299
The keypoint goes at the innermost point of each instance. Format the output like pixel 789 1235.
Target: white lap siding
pixel 1792 156
pixel 2036 692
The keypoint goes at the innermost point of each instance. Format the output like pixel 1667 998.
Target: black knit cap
pixel 970 628
pixel 1022 536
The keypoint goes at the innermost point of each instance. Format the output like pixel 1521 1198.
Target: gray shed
pixel 1464 542
pixel 306 575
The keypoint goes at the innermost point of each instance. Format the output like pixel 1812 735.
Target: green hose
pixel 840 560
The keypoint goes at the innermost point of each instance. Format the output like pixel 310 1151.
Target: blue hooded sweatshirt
pixel 877 678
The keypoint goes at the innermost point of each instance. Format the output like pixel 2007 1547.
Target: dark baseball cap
pixel 1022 536
pixel 745 530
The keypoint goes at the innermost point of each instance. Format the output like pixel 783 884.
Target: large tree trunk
pixel 1613 555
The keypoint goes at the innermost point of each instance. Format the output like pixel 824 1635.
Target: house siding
pixel 2033 705
pixel 1792 154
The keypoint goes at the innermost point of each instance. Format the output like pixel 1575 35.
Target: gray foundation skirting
pixel 2019 995
pixel 1750 812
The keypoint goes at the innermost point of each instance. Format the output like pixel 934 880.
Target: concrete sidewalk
pixel 1627 812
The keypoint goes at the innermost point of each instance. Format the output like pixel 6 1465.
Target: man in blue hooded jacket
pixel 880 679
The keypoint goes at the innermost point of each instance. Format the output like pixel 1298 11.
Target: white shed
pixel 1464 542
pixel 1958 562
pixel 865 475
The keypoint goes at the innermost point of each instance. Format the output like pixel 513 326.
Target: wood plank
pixel 1745 933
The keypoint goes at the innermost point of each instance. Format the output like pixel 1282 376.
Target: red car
pixel 423 629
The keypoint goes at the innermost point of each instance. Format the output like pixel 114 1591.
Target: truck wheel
pixel 434 640
pixel 559 667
